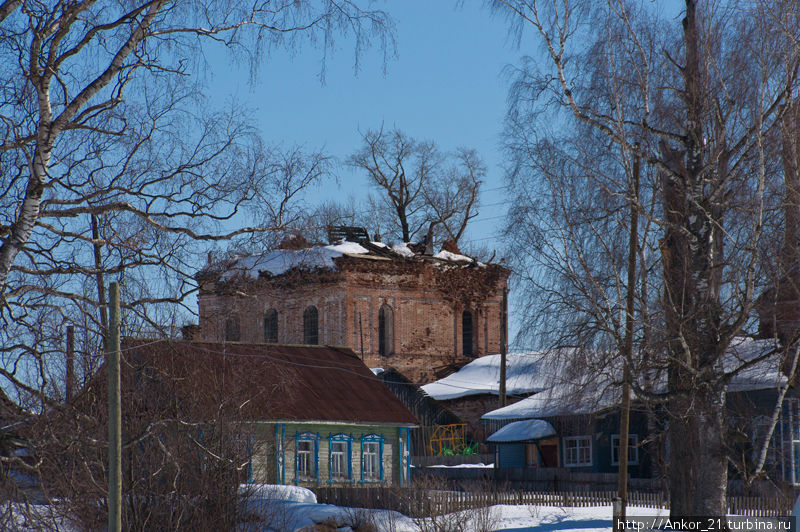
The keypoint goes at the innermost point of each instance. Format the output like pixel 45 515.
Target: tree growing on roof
pixel 417 184
pixel 699 105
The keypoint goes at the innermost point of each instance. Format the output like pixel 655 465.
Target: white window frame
pixel 339 459
pixel 574 461
pixel 372 460
pixel 633 449
pixel 305 457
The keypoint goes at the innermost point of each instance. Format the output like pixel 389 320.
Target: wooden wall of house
pixel 599 428
pixel 267 447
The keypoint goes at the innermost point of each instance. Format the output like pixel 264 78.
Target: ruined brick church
pixel 403 307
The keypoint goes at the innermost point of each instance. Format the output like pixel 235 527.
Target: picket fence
pixel 417 502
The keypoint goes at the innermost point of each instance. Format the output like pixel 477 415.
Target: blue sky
pixel 445 85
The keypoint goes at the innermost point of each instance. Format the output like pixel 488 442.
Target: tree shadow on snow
pixel 564 523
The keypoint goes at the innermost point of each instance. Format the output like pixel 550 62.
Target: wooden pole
pixel 114 415
pixel 69 376
pixel 101 292
pixel 503 346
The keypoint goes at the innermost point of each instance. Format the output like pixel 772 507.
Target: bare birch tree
pixel 699 104
pixel 112 164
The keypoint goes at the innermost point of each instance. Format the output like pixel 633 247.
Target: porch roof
pixel 526 430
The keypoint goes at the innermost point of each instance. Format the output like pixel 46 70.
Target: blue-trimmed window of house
pixel 271 326
pixel 372 458
pixel 759 429
pixel 306 456
pixel 578 451
pixel 633 449
pixel 340 453
pixel 789 438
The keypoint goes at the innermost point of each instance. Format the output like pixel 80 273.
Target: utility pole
pixel 503 346
pixel 624 420
pixel 101 292
pixel 114 415
pixel 69 377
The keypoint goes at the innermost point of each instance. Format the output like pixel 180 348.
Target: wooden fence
pixel 417 502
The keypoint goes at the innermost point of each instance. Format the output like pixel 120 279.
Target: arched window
pixel 385 330
pixel 466 333
pixel 311 326
pixel 271 326
pixel 232 333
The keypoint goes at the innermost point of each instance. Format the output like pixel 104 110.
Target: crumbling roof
pixel 324 257
pixel 255 382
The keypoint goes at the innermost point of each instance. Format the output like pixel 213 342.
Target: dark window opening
pixel 232 333
pixel 385 330
pixel 466 333
pixel 271 326
pixel 311 326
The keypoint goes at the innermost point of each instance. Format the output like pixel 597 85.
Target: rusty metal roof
pixel 261 382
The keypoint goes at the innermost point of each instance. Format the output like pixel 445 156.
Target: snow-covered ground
pixel 297 516
pixel 294 509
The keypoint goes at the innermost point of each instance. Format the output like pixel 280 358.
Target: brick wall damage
pixel 402 309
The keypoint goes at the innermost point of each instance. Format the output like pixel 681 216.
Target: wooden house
pixel 574 424
pixel 304 415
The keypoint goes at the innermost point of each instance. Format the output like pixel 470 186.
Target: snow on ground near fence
pixel 291 514
pixel 278 492
pixel 501 517
pixel 464 466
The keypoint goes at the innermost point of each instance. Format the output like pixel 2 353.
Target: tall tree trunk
pixel 790 157
pixel 692 257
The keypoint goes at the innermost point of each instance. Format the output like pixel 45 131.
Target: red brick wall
pixel 427 323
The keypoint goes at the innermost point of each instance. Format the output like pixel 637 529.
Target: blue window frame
pixel 372 458
pixel 340 452
pixel 306 457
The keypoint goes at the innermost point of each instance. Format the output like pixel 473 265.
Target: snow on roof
pixel 592 394
pixel 528 429
pixel 563 399
pixel 403 250
pixel 281 260
pixel 525 373
pixel 455 257
pixel 763 375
